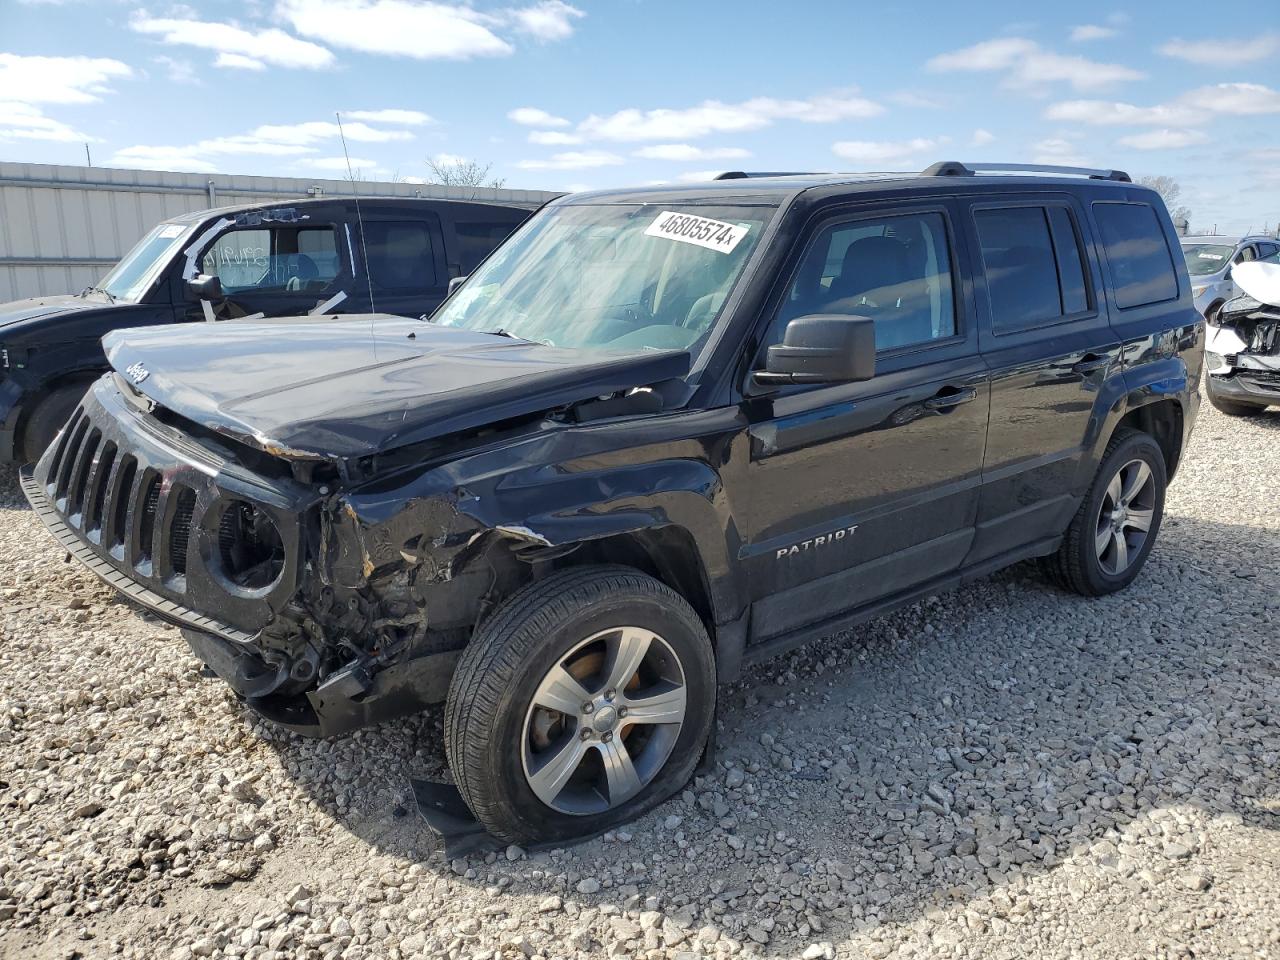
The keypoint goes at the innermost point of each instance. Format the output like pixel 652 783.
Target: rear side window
pixel 400 256
pixel 477 240
pixel 1033 264
pixel 1141 263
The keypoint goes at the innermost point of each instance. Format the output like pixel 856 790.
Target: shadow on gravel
pixel 966 743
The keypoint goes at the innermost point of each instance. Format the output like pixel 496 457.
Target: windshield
pixel 612 277
pixel 130 278
pixel 1206 258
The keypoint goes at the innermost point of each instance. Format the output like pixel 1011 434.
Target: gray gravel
pixel 1004 771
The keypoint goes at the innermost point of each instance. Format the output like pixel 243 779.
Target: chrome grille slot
pixel 80 477
pixel 180 528
pixel 118 507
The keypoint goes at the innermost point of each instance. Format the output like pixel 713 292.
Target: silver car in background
pixel 1209 261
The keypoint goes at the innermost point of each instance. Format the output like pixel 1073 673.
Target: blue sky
pixel 597 93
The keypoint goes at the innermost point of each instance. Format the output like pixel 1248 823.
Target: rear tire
pixel 1112 533
pixel 533 773
pixel 49 416
pixel 1230 407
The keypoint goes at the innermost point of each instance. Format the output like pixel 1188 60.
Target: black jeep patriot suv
pixel 657 435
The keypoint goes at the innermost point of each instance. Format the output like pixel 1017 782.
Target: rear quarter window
pixel 1141 262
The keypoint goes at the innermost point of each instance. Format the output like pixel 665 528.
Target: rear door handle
pixel 945 401
pixel 1090 363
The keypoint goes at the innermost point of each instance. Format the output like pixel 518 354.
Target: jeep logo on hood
pixel 137 372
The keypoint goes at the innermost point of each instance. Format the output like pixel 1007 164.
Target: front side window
pixel 277 259
pixel 1033 264
pixel 1141 263
pixel 894 269
pixel 133 275
pixel 1204 259
pixel 612 276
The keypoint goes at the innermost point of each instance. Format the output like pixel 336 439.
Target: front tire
pixel 49 416
pixel 583 701
pixel 1112 533
pixel 1230 407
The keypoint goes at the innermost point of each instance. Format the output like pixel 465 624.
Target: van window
pixel 1141 262
pixel 1033 264
pixel 277 258
pixel 894 269
pixel 400 256
pixel 476 240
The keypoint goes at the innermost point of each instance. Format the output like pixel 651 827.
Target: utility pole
pixel 88 160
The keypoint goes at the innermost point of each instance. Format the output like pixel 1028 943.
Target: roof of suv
pixel 772 189
pixel 368 202
pixel 1219 238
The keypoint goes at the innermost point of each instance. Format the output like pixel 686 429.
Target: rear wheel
pixel 48 417
pixel 1111 536
pixel 1230 407
pixel 583 701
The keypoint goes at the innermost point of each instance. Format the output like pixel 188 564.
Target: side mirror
pixel 205 287
pixel 823 348
pixel 454 284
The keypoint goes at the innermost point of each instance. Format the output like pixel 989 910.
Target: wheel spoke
pixel 1136 480
pixel 625 655
pixel 554 772
pixel 1113 491
pixel 624 782
pixel 560 691
pixel 1140 520
pixel 1121 547
pixel 665 706
pixel 1102 539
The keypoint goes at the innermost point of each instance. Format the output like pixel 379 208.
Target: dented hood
pixel 1259 280
pixel 334 389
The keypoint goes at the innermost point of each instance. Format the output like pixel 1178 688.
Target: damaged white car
pixel 1242 352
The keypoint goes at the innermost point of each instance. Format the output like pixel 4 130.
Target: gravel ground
pixel 1003 771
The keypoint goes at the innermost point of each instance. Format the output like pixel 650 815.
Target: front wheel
pixel 585 700
pixel 1111 536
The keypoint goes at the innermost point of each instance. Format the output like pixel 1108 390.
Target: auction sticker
pixel 701 231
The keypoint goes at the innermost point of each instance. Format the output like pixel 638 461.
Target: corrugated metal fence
pixel 61 228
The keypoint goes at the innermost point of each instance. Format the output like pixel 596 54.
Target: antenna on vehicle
pixel 364 250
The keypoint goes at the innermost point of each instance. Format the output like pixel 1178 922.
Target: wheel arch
pixel 35 396
pixel 1162 419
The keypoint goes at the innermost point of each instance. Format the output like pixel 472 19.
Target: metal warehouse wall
pixel 61 228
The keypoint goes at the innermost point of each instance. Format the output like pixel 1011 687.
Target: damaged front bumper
pixel 1242 353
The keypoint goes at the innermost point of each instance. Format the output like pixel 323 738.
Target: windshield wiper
pixel 500 332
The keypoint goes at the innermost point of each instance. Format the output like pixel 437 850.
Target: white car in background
pixel 1209 261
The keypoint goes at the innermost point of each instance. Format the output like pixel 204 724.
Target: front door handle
pixel 953 398
pixel 1090 363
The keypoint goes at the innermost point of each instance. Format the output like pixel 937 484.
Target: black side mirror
pixel 205 287
pixel 454 284
pixel 823 348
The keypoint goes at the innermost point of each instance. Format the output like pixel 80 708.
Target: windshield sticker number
pixel 171 231
pixel 1210 256
pixel 701 231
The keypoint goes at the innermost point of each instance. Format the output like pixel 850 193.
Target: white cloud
pixel 237 61
pixel 422 30
pixel 1164 139
pixel 1240 99
pixel 712 116
pixel 554 138
pixel 547 21
pixel 1059 151
pixel 451 159
pixel 163 158
pixel 405 118
pixel 1219 52
pixel 1091 31
pixel 981 138
pixel 574 160
pixel 884 151
pixel 24 121
pixel 1237 99
pixel 683 152
pixel 1028 66
pixel 59 79
pixel 236 46
pixel 339 164
pixel 533 117
pixel 179 71
pixel 313 130
pixel 909 98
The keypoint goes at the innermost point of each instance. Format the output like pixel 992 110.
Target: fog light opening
pixel 250 551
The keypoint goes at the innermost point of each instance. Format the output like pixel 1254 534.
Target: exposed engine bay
pixel 1245 340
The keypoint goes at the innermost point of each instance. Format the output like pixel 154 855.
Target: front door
pixel 863 490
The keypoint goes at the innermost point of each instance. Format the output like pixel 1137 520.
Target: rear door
pixel 1043 329
pixel 862 490
pixel 405 268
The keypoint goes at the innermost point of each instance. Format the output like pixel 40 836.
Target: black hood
pixel 332 389
pixel 37 308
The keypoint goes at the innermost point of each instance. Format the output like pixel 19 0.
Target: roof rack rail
pixel 952 168
pixel 745 175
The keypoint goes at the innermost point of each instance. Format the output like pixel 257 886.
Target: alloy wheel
pixel 603 721
pixel 1124 517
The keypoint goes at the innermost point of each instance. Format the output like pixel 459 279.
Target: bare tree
pixel 460 172
pixel 1171 193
